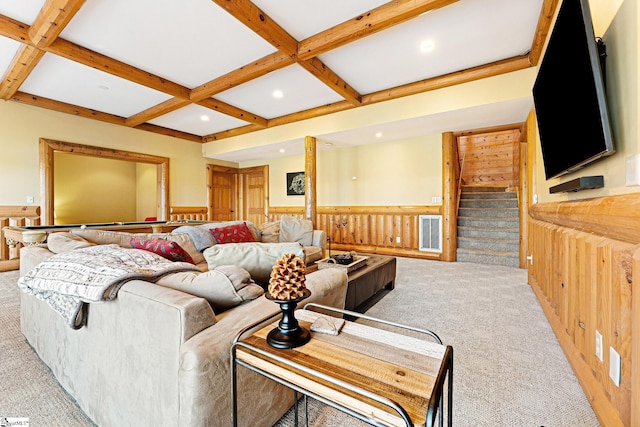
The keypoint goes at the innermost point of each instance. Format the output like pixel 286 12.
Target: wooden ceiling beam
pixel 23 63
pixel 52 19
pixel 373 21
pixel 87 113
pixel 19 31
pixel 63 107
pixel 260 23
pixel 452 79
pixel 542 30
pixel 261 67
pixel 232 111
pixel 331 79
pixel 14 30
pixel 151 113
pixel 147 127
pixel 114 67
pixel 282 120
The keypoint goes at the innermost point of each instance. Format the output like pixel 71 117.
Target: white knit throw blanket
pixel 69 280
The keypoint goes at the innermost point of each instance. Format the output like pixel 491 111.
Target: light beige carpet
pixel 509 369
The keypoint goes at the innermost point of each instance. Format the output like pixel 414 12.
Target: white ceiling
pixel 192 42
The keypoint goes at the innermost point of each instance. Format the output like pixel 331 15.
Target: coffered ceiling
pixel 206 70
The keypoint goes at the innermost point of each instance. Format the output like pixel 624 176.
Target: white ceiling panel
pixel 304 18
pixel 476 27
pixel 22 10
pixel 8 49
pixel 188 42
pixel 87 87
pixel 197 120
pixel 300 91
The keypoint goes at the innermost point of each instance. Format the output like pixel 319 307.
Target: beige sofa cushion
pixel 224 288
pixel 256 257
pixel 293 229
pixel 64 241
pixel 312 254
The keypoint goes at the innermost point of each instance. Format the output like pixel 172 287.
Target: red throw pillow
pixel 163 247
pixel 233 234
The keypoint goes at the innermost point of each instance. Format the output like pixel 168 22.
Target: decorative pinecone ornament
pixel 287 280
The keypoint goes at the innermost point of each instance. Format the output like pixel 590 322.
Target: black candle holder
pixel 288 333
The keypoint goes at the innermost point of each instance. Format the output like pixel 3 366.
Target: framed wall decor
pixel 295 183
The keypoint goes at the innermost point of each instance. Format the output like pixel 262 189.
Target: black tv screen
pixel 569 94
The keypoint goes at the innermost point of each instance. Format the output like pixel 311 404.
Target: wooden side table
pixel 381 377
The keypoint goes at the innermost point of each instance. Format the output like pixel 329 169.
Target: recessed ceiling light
pixel 427 45
pixel 282 150
pixel 103 87
pixel 277 94
pixel 378 134
pixel 204 118
pixel 328 144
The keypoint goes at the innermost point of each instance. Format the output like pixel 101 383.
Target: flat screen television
pixel 569 94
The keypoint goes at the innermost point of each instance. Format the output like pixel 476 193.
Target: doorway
pixel 49 147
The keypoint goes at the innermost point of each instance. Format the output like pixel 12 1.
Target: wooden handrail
pixel 459 186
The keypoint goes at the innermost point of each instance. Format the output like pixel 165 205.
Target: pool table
pixel 34 234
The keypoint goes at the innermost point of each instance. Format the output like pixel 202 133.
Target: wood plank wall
pixel 13 216
pixel 372 229
pixel 180 213
pixel 583 273
pixel 491 158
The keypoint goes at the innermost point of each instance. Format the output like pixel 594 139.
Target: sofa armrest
pixel 205 362
pixel 195 313
pixel 319 239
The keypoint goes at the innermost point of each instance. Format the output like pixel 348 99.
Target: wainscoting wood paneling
pixel 15 216
pixel 181 213
pixel 583 278
pixel 372 229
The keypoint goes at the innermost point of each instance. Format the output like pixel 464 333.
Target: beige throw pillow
pixel 64 241
pixel 270 232
pixel 293 229
pixel 225 287
pixel 255 257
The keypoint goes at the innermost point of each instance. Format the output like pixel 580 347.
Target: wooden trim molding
pixel 47 148
pixel 615 217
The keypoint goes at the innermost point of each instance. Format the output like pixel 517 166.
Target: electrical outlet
pixel 29 199
pixel 599 354
pixel 615 365
pixel 398 239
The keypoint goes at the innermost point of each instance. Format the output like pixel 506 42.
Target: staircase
pixel 488 226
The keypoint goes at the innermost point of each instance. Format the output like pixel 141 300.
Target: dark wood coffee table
pixel 370 283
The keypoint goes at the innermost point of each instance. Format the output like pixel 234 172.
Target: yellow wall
pixel 93 189
pixel 407 172
pixel 21 126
